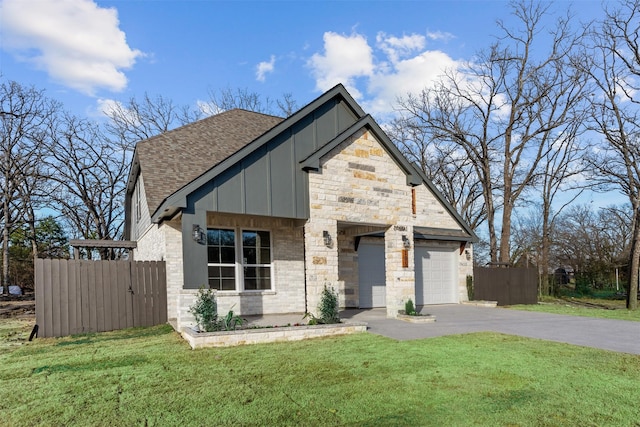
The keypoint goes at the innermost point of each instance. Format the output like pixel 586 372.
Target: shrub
pixel 205 310
pixel 470 287
pixel 409 308
pixel 327 309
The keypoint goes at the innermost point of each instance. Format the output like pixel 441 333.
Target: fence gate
pixel 80 296
pixel 508 286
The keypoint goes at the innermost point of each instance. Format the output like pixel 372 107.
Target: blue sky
pixel 88 53
pixel 91 53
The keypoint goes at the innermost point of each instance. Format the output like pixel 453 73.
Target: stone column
pixel 321 260
pixel 400 280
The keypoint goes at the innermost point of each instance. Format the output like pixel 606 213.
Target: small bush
pixel 409 308
pixel 205 310
pixel 327 309
pixel 470 287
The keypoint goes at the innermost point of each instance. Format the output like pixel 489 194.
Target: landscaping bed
pixel 263 335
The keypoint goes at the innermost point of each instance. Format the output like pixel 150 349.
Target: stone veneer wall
pixel 164 243
pixel 359 183
pixel 287 293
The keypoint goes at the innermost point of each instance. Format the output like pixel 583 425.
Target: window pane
pixel 248 238
pixel 214 283
pixel 250 284
pixel 227 238
pixel 263 239
pixel 249 255
pixel 213 237
pixel 265 256
pixel 227 255
pixel 249 272
pixel 228 272
pixel 263 272
pixel 228 285
pixel 257 278
pixel 214 271
pixel 213 254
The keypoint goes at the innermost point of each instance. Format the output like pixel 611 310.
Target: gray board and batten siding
pixel 265 180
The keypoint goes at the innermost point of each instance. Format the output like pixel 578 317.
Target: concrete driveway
pixel 616 335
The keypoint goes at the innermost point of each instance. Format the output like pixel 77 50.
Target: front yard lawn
pixel 151 377
pixel 590 307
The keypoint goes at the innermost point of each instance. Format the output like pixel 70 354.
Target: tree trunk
pixel 5 247
pixel 634 264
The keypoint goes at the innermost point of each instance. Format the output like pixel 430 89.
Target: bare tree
pixel 139 120
pixel 613 64
pixel 227 99
pixel 89 175
pixel 446 165
pixel 504 108
pixel 562 168
pixel 24 114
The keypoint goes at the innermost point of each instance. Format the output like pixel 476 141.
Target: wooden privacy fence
pixel 80 296
pixel 508 286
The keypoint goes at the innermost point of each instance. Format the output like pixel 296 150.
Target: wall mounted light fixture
pixel 198 234
pixel 327 238
pixel 405 241
pixel 467 254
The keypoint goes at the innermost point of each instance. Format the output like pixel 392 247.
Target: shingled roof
pixel 173 159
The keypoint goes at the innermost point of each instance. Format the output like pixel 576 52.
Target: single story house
pixel 268 211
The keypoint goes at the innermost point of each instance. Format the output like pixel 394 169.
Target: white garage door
pixel 372 289
pixel 435 276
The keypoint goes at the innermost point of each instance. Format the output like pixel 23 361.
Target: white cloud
pixel 104 107
pixel 78 43
pixel 395 67
pixel 439 35
pixel 345 58
pixel 399 47
pixel 265 67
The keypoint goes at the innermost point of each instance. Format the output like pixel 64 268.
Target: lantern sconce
pixel 327 238
pixel 406 242
pixel 198 234
pixel 467 254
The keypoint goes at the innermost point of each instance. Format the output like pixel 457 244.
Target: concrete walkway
pixel 616 335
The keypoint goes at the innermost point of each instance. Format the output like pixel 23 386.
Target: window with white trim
pixel 239 260
pixel 256 260
pixel 221 255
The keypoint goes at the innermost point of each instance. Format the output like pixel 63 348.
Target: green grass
pixel 151 377
pixel 616 309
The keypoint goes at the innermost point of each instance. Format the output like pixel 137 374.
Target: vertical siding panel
pixel 84 291
pixel 64 297
pixel 40 294
pixel 115 286
pixel 75 297
pixel 130 277
pixel 162 291
pixel 149 299
pixel 133 277
pixel 98 292
pixel 48 301
pixel 141 297
pixel 124 296
pixel 107 286
pixel 55 300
